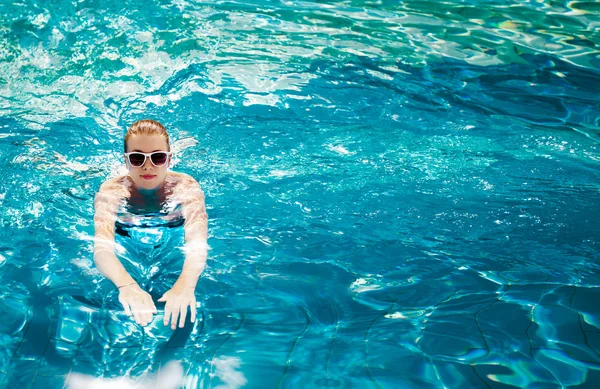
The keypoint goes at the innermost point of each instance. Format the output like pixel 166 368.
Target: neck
pixel 150 194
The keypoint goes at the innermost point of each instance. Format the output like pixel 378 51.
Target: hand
pixel 138 303
pixel 178 299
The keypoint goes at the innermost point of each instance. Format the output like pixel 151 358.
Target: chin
pixel 148 185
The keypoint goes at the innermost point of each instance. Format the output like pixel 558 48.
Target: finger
pixel 146 313
pixel 167 315
pixel 151 305
pixel 193 311
pixel 142 312
pixel 183 309
pixel 151 310
pixel 127 308
pixel 174 316
pixel 162 299
pixel 136 315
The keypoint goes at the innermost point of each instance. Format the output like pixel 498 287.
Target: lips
pixel 147 176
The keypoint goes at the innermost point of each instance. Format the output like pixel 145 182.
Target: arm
pixel 181 294
pixel 135 301
pixel 105 215
pixel 196 236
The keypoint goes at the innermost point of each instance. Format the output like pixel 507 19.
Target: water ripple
pixel 398 191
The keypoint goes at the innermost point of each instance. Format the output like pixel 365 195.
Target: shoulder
pixel 115 188
pixel 113 184
pixel 107 200
pixel 182 177
pixel 187 192
pixel 185 182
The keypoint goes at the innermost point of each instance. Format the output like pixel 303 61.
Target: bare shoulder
pixel 113 184
pixel 185 182
pixel 114 189
pixel 187 191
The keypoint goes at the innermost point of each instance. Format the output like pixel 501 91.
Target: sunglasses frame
pixel 146 156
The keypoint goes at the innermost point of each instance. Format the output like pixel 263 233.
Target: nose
pixel 147 164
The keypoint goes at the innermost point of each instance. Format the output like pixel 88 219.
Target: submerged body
pixel 149 236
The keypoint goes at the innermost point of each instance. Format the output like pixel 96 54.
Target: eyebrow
pixel 140 151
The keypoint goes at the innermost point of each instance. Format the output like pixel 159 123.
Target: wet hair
pixel 147 127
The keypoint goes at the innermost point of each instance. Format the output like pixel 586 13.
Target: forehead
pixel 147 143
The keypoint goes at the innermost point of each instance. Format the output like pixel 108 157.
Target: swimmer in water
pixel 150 185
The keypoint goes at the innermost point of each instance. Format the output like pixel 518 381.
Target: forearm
pixel 196 236
pixel 110 267
pixel 108 200
pixel 194 264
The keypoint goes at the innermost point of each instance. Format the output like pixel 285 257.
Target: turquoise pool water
pixel 401 194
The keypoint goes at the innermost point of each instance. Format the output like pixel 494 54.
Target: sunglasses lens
pixel 136 159
pixel 159 158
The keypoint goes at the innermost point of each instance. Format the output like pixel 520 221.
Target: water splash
pixel 169 377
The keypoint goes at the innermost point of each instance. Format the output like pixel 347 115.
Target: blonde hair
pixel 147 127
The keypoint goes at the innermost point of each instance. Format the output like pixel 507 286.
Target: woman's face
pixel 147 176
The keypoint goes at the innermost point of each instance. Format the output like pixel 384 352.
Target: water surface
pixel 401 194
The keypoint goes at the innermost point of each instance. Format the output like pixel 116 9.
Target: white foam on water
pixel 226 369
pixel 170 377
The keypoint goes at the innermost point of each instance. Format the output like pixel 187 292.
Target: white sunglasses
pixel 158 158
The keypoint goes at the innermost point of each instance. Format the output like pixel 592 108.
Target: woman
pixel 150 187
